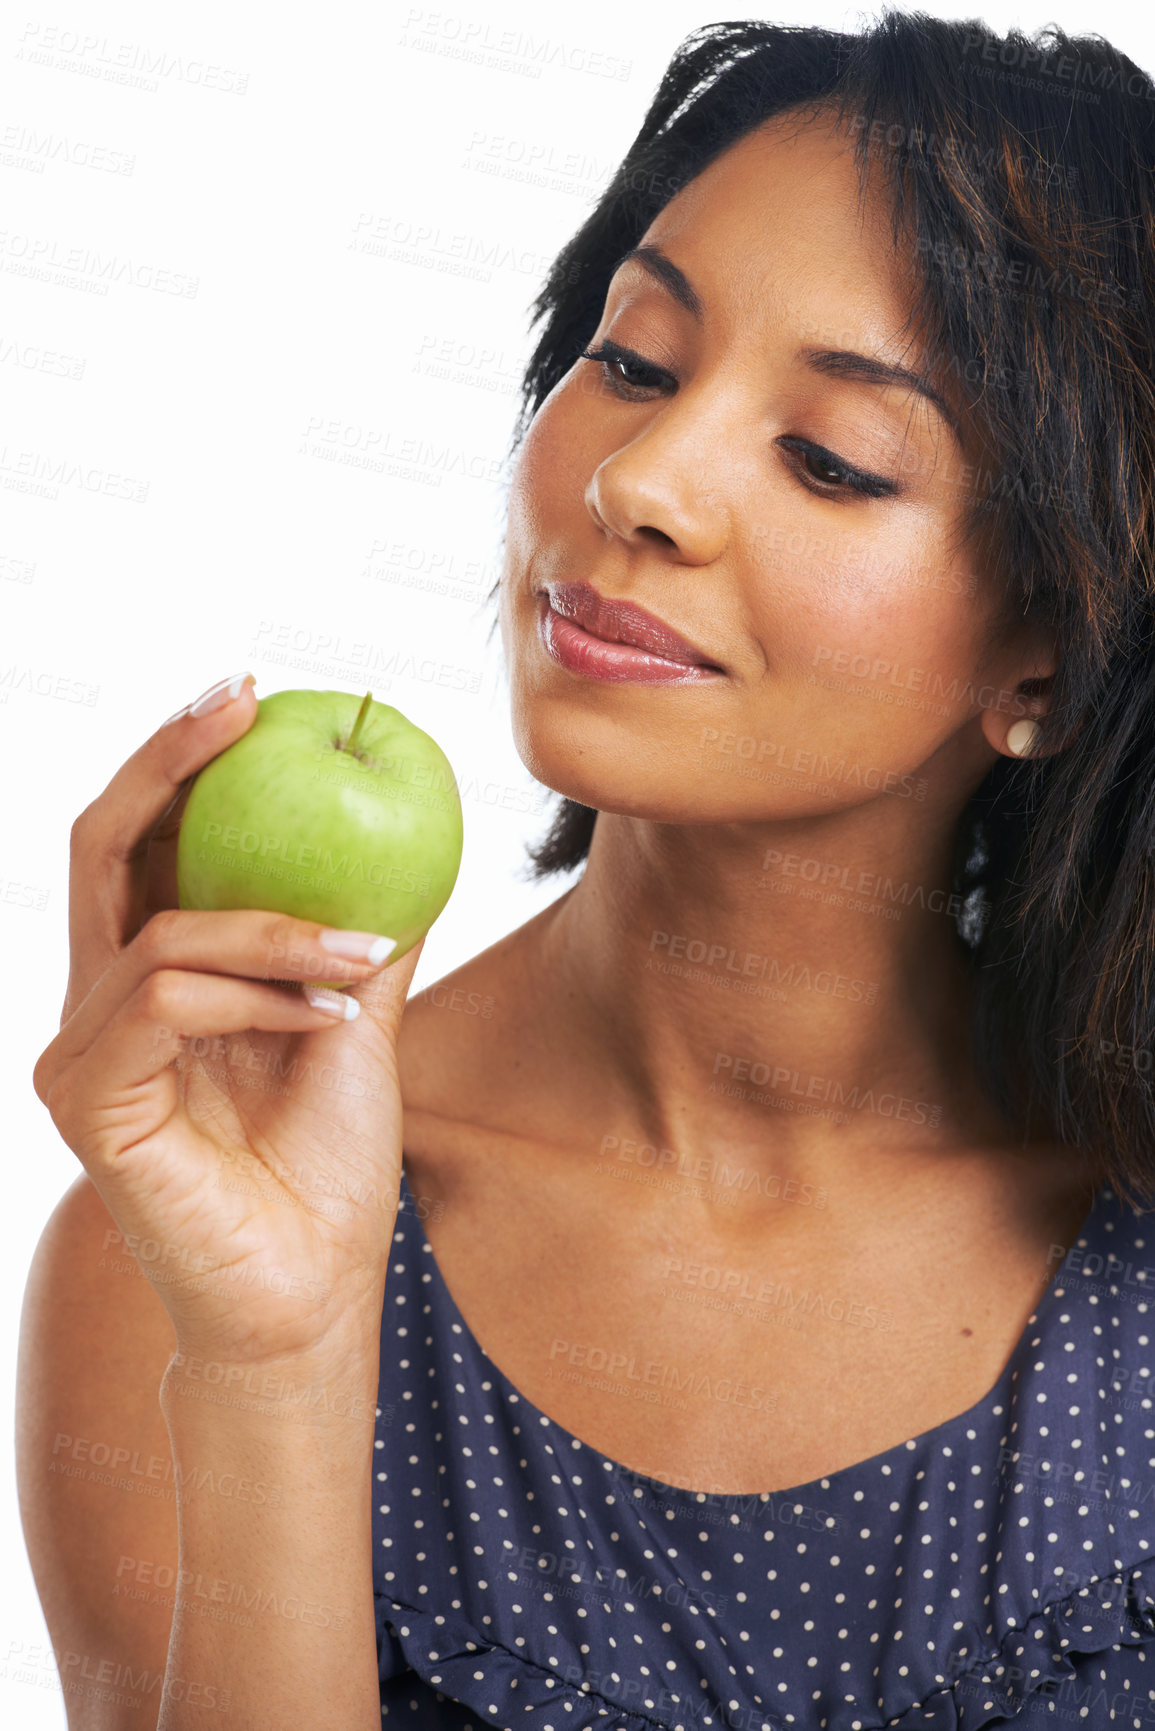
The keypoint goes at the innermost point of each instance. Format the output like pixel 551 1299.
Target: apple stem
pixel 351 742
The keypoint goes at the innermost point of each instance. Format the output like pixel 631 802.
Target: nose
pixel 658 491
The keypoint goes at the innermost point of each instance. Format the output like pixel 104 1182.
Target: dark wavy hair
pixel 1020 172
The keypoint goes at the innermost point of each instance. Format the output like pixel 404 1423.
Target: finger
pixel 110 839
pixel 239 942
pixel 336 1074
pixel 382 995
pixel 121 1090
pixel 160 873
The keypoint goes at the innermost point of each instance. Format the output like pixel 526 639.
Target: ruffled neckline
pixel 1037 1658
pixel 1018 1640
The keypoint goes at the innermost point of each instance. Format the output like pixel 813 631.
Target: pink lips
pixel 604 639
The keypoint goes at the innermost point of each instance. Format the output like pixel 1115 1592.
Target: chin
pixel 616 775
pixel 588 781
pixel 607 779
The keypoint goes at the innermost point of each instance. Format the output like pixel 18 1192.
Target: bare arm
pixel 273 1620
pixel 261 1614
pixel 221 1348
pixel 94 1466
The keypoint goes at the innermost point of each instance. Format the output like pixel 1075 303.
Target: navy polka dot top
pixel 993 1571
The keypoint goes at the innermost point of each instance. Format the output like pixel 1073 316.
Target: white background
pixel 259 187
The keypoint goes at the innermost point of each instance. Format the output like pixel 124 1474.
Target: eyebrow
pixel 834 363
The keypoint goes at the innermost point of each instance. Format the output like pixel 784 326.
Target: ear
pixel 1012 728
pixel 1014 732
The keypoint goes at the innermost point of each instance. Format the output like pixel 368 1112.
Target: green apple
pixel 329 812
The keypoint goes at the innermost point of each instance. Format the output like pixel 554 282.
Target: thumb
pixel 382 996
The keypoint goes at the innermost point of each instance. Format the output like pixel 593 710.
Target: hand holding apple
pixel 283 1152
pixel 328 812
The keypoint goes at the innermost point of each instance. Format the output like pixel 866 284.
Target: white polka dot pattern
pixel 995 1570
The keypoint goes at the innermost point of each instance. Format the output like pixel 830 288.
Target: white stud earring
pixel 1021 737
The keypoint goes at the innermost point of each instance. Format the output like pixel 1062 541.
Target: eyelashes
pixel 611 354
pixel 836 475
pixel 873 486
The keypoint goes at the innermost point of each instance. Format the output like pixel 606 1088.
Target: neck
pixel 792 995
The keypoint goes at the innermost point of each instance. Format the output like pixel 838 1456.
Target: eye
pixel 831 476
pixel 826 472
pixel 821 471
pixel 615 362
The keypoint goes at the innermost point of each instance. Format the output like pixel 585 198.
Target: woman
pixel 753 1330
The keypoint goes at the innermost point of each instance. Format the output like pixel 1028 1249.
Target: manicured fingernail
pixel 356 946
pixel 333 1003
pixel 218 695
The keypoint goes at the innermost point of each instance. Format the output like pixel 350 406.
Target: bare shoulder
pixel 97 1500
pixel 471 1054
pixel 454 1025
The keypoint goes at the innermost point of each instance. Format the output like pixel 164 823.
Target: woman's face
pixel 786 514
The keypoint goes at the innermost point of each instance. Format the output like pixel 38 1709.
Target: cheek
pixel 891 600
pixel 552 469
pixel 907 633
